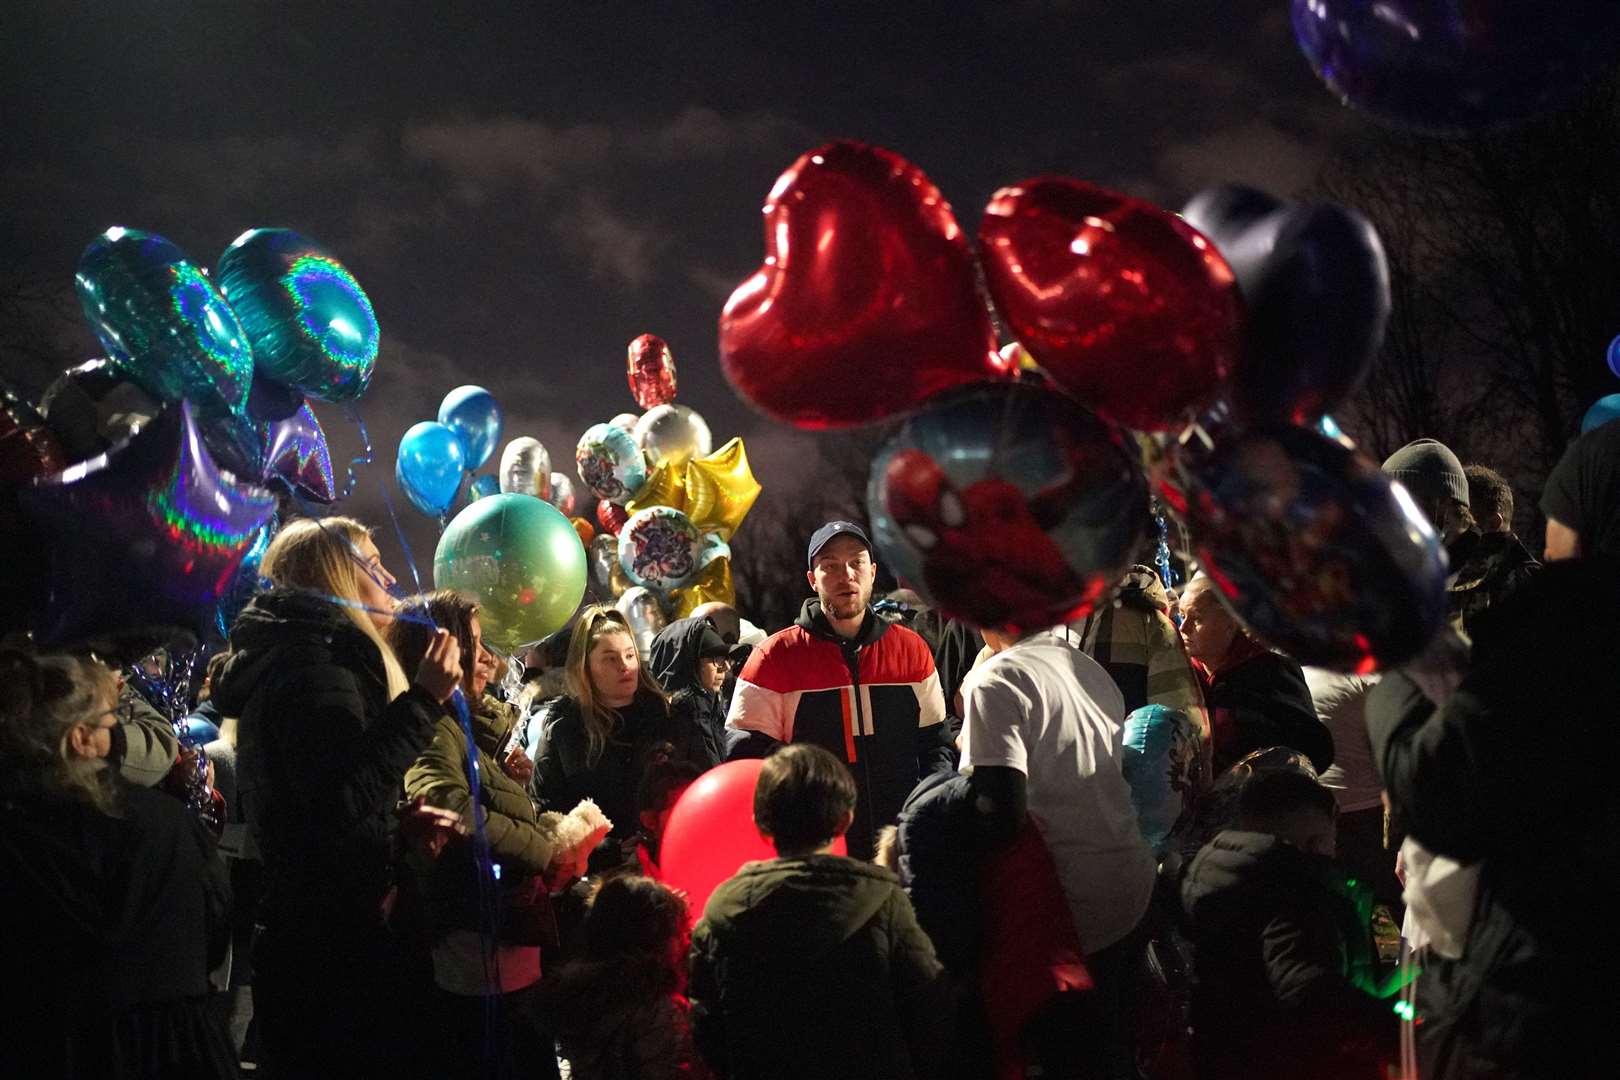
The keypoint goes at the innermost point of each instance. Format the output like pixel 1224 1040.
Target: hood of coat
pixel 673 656
pixel 806 905
pixel 277 622
pixel 813 619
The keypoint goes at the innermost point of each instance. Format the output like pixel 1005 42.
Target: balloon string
pixel 365 455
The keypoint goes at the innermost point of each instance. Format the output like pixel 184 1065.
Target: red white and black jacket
pixel 873 700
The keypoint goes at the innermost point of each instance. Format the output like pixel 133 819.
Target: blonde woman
pixel 327 725
pixel 113 896
pixel 597 739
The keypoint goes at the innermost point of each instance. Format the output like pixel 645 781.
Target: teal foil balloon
pixel 164 323
pixel 611 463
pixel 474 415
pixel 521 559
pixel 310 323
pixel 429 467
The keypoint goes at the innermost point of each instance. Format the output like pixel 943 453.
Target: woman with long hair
pixel 115 904
pixel 598 738
pixel 327 725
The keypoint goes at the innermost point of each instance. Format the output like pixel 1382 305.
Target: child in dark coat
pixel 1285 959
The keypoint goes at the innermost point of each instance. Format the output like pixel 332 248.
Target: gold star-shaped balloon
pixel 666 487
pixel 721 489
pixel 713 583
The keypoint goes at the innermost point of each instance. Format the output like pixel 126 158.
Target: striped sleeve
pixel 757 708
pixel 930 700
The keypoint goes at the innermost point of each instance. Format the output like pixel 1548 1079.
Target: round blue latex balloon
pixel 310 322
pixel 610 463
pixel 1602 411
pixel 1460 65
pixel 1311 546
pixel 164 323
pixel 473 414
pixel 1008 505
pixel 482 487
pixel 429 467
pixel 1614 357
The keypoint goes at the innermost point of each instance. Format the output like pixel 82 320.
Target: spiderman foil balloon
pixel 1312 547
pixel 1009 506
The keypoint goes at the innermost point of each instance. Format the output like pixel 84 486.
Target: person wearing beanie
pixel 1434 478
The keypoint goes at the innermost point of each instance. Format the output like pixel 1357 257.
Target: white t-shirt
pixel 1341 704
pixel 1050 711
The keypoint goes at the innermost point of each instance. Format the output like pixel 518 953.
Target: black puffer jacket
pixel 1516 772
pixel 565 772
pixel 1264 702
pixel 1282 944
pixel 698 717
pixel 321 758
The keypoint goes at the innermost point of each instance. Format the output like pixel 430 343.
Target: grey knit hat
pixel 1429 471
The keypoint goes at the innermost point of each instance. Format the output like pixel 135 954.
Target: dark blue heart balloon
pixel 310 322
pixel 474 415
pixel 145 537
pixel 1311 546
pixel 429 467
pixel 1228 215
pixel 1452 66
pixel 164 323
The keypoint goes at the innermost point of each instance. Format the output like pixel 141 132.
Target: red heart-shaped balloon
pixel 1124 305
pixel 866 304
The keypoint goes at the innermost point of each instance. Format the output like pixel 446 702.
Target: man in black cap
pixel 845 679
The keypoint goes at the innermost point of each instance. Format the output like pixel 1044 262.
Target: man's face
pixel 1207 628
pixel 843 577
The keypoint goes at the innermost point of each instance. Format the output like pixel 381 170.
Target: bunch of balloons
pixel 668 502
pixel 1012 494
pixel 203 395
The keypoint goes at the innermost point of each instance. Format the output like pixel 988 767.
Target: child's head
pixel 805 798
pixel 662 784
pixel 636 917
pixel 1291 806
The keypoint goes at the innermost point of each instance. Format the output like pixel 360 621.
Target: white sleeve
pixel 930 701
pixel 993 725
pixel 754 708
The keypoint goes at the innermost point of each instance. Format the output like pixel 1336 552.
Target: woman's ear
pixel 80 738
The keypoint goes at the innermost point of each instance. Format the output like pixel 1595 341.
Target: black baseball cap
pixel 823 536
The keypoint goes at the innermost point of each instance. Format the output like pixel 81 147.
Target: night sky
pixel 523 193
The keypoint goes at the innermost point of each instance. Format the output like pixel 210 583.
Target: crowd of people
pixel 1140 844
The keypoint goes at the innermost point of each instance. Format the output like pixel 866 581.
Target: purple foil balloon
pixel 295 453
pixel 146 537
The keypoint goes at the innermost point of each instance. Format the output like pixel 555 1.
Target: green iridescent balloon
pixel 521 559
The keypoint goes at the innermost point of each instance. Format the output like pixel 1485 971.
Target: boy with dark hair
pixel 1285 959
pixel 812 964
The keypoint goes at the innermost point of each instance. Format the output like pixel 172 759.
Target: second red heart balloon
pixel 1124 305
pixel 865 305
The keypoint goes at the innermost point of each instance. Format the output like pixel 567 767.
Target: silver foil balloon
pixel 603 558
pixel 672 433
pixel 560 493
pixel 626 420
pixel 641 609
pixel 526 468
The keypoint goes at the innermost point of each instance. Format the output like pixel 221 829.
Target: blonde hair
pixel 601 723
pixel 324 557
pixel 42 699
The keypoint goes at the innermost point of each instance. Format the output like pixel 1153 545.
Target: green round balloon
pixel 521 559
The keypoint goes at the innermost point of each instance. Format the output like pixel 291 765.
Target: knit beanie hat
pixel 1429 471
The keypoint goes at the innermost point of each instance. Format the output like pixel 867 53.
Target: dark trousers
pixel 504 1036
pixel 340 1004
pixel 1117 971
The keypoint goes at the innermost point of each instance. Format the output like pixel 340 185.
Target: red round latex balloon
pixel 711 832
pixel 650 368
pixel 866 304
pixel 611 516
pixel 1123 304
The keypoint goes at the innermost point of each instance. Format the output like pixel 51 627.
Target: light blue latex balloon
pixel 1602 411
pixel 164 323
pixel 474 415
pixel 310 322
pixel 483 487
pixel 429 467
